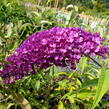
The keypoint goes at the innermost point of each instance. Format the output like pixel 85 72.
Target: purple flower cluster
pixel 57 46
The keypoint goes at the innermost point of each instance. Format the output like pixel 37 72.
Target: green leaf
pixel 2 35
pixel 49 1
pixel 89 83
pixel 44 107
pixel 60 105
pixel 103 86
pixel 9 105
pixel 1 106
pixel 72 18
pixel 83 63
pixel 37 85
pixel 46 22
pixel 25 25
pixel 76 8
pixel 71 99
pixel 15 45
pixel 53 70
pixel 9 32
pixel 85 94
pixel 35 13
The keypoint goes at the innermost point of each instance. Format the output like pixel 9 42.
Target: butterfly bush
pixel 57 46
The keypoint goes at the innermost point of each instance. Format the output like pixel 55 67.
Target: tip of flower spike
pixel 72 66
pixel 6 80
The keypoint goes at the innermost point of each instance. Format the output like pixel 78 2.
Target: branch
pixel 93 60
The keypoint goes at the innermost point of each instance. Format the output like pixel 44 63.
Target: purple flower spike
pixel 56 46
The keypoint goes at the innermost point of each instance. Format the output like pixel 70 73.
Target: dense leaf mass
pixel 57 46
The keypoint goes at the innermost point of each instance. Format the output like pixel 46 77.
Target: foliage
pixel 55 87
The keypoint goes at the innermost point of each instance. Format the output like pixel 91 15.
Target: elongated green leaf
pixel 85 94
pixel 89 83
pixel 37 85
pixel 25 25
pixel 46 22
pixel 72 17
pixel 53 71
pixel 16 44
pixel 83 63
pixel 76 8
pixel 2 35
pixel 9 32
pixel 9 105
pixel 71 99
pixel 60 105
pixel 1 106
pixel 103 86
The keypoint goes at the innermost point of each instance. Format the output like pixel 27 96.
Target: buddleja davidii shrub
pixel 57 46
